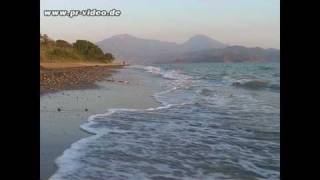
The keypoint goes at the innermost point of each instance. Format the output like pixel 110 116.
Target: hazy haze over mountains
pixel 199 48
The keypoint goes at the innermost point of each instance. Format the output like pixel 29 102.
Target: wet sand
pixel 63 112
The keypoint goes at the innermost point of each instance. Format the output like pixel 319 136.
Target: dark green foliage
pixel 81 50
pixel 88 49
pixel 63 44
pixel 109 57
pixel 61 53
pixel 46 41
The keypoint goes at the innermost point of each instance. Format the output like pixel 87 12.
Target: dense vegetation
pixel 63 51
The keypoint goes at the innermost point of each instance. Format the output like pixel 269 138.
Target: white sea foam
pixel 168 74
pixel 116 132
pixel 68 162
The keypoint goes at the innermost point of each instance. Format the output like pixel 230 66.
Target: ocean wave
pixel 167 74
pixel 276 74
pixel 71 161
pixel 207 92
pixel 193 121
pixel 177 83
pixel 251 84
pixel 275 87
pixel 266 68
pixel 68 163
pixel 139 144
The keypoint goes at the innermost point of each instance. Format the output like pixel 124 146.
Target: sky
pixel 252 23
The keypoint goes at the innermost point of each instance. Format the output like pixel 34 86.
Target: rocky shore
pixel 55 79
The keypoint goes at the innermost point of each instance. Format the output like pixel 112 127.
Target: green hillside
pixel 63 51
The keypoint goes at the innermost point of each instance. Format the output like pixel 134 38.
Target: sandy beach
pixel 60 128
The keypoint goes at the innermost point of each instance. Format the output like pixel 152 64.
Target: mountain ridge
pixel 137 50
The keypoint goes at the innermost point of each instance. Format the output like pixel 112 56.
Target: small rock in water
pixel 59 109
pixel 86 109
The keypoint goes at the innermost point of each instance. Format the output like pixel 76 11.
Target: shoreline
pixel 55 77
pixel 60 129
pixel 58 65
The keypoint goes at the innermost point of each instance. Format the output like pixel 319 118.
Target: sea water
pixel 216 121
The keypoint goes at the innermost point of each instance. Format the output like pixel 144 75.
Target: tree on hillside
pixel 88 49
pixel 109 57
pixel 42 38
pixel 63 44
pixel 61 50
pixel 45 38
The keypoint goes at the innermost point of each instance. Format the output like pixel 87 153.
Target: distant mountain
pixel 135 49
pixel 201 42
pixel 198 48
pixel 138 50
